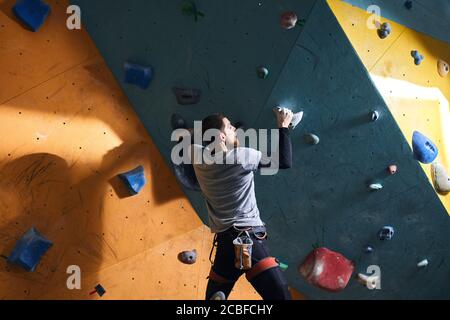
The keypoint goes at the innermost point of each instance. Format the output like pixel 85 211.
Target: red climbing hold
pixel 327 269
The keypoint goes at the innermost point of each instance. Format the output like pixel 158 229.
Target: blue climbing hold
pixel 424 149
pixel 32 12
pixel 138 75
pixel 408 4
pixel 386 233
pixel 100 290
pixel 29 249
pixel 418 58
pixel 134 179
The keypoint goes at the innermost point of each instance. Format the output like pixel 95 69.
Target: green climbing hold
pixel 283 266
pixel 189 8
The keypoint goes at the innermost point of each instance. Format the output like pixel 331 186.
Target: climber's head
pixel 225 132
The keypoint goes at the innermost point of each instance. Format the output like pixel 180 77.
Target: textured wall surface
pixel 324 199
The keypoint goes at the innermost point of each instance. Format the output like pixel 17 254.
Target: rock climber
pixel 229 194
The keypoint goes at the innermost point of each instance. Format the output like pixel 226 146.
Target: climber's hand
pixel 284 117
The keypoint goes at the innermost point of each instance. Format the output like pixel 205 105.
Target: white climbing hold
pixel 219 295
pixel 443 68
pixel 375 186
pixel 423 263
pixel 370 282
pixel 441 180
pixel 297 117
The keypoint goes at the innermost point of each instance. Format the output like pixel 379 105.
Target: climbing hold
pixel 385 30
pixel 369 249
pixel 134 179
pixel 422 263
pixel 375 186
pixel 417 57
pixel 99 290
pixel 188 257
pixel 369 281
pixel 311 139
pixel 408 4
pixel 441 180
pixel 219 295
pixel 424 149
pixel 327 269
pixel 187 96
pixel 29 249
pixel 288 20
pixel 386 233
pixel 296 120
pixel 375 115
pixel 32 13
pixel 189 8
pixel 138 75
pixel 177 122
pixel 262 72
pixel 392 169
pixel 443 68
pixel 283 266
pixel 186 176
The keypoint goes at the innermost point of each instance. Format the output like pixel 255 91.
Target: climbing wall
pixel 66 131
pixel 417 96
pixel 324 200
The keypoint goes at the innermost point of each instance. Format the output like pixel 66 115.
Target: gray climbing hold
pixel 262 72
pixel 188 257
pixel 386 233
pixel 418 58
pixel 375 186
pixel 443 68
pixel 288 20
pixel 219 295
pixel 375 115
pixel 186 96
pixel 311 139
pixel 441 180
pixel 422 263
pixel 384 31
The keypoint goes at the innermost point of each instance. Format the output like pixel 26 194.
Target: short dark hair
pixel 213 121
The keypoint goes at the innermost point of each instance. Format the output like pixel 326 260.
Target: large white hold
pixel 441 180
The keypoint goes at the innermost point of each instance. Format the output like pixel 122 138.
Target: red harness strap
pixel 261 266
pixel 215 277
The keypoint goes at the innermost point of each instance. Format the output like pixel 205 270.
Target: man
pixel 229 194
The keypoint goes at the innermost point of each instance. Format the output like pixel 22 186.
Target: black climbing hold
pixel 186 176
pixel 408 4
pixel 311 139
pixel 386 233
pixel 262 72
pixel 138 75
pixel 29 250
pixel 369 249
pixel 177 122
pixel 384 31
pixel 187 96
pixel 418 58
pixel 32 13
pixel 99 290
pixel 188 257
pixel 375 115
